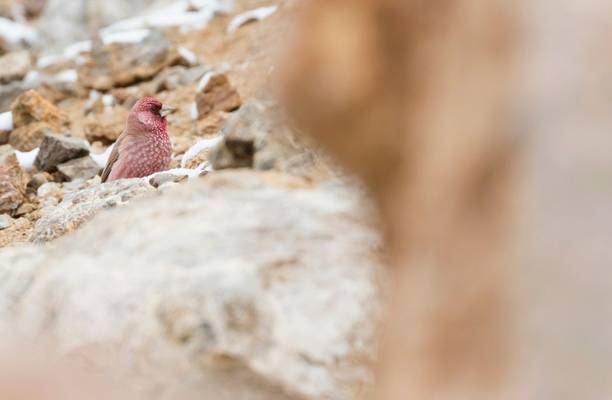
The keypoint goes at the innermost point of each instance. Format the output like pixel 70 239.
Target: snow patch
pixel 74 50
pixel 200 146
pixel 194 111
pixel 32 78
pixel 49 59
pixel 108 100
pixel 125 36
pixel 67 75
pixel 6 121
pixel 204 80
pixel 177 14
pixel 102 158
pixel 15 33
pixel 188 55
pixel 254 15
pixel 26 158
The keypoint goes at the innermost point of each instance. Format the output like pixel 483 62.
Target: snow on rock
pixel 15 33
pixel 199 147
pixel 188 15
pixel 71 52
pixel 26 158
pixel 6 121
pixel 253 15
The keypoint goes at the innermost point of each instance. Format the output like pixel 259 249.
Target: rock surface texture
pixel 12 181
pixel 222 281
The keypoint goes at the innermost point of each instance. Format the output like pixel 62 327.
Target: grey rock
pixel 81 205
pixel 38 180
pixel 261 271
pixel 49 189
pixel 81 168
pixel 58 149
pixel 5 221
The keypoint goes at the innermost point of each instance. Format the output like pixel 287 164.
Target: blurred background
pixel 367 200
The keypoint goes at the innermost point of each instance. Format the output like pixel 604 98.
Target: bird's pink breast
pixel 143 158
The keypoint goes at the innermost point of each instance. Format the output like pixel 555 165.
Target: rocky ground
pixel 249 270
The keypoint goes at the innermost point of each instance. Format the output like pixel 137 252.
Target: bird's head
pixel 148 115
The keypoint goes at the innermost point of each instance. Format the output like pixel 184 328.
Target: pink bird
pixel 144 147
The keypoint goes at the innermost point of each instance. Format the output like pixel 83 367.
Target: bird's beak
pixel 166 110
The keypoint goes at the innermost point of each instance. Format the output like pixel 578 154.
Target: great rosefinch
pixel 144 147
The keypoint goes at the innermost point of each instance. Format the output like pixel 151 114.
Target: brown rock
pixel 32 107
pixel 106 126
pixel 4 137
pixel 121 65
pixel 24 209
pixel 12 181
pixel 28 137
pixel 217 95
pixel 14 66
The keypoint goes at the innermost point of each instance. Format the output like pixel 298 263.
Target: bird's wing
pixel 112 159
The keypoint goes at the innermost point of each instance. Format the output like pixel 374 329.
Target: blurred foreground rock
pixel 210 294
